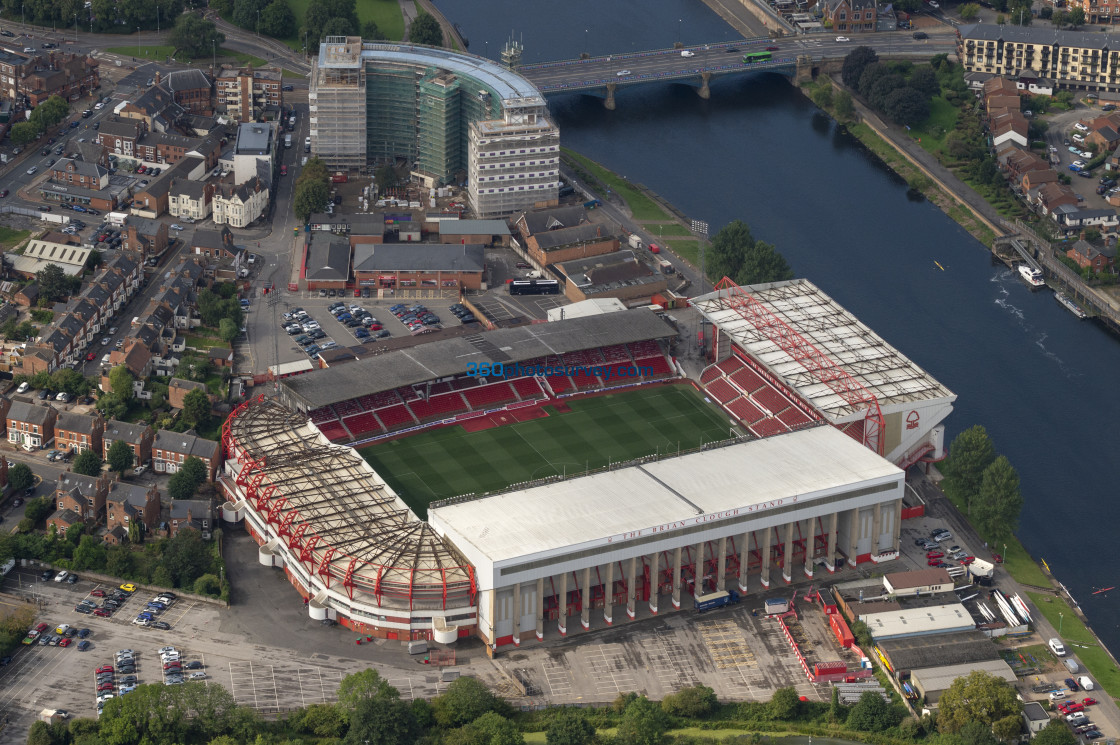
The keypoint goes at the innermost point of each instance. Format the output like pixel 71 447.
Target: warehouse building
pixel 931 682
pixel 901 656
pixel 450 116
pixel 938 619
pixel 418 266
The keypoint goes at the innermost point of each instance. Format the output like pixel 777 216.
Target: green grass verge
pixel 448 462
pixel 160 53
pixel 641 206
pixel 1096 659
pixel 687 250
pixel 286 73
pixel 671 230
pixel 941 121
pixel 205 343
pixel 9 237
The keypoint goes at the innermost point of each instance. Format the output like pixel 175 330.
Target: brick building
pixel 137 436
pixel 78 432
pixel 170 449
pixel 249 95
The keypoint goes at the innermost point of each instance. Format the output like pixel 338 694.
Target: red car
pixel 935 555
pixel 933 562
pixel 1072 707
pixel 65 642
pixel 283 170
pixel 142 169
pixel 375 327
pixel 101 612
pixel 172 666
pixel 772 49
pixel 97 593
pixel 104 669
pixel 90 356
pixel 1088 701
pixel 42 627
pixel 997 558
pixel 104 687
pixel 967 560
pixel 3 192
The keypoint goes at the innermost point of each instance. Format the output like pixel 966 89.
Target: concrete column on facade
pixel 876 528
pixel 698 569
pixel 767 545
pixel 632 587
pixel 654 570
pixel 833 532
pixel 540 609
pixel 721 563
pixel 608 595
pixel 787 555
pixel 744 562
pixel 896 544
pixel 810 546
pixel 853 536
pixel 517 615
pixel 677 579
pixel 585 615
pixel 562 618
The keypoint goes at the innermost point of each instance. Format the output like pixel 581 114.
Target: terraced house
pixel 31 426
pixel 1071 59
pixel 170 449
pixel 78 432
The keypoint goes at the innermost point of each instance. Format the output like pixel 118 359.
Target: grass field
pixel 1100 665
pixel 385 13
pixel 641 206
pixel 9 237
pixel 448 462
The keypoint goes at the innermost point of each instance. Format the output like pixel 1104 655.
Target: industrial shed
pixel 919 582
pixel 931 682
pixel 938 619
pixel 913 653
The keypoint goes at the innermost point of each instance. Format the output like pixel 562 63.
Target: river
pixel 1043 383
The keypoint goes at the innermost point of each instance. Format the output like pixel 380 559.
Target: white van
pixel 1056 646
pixel 1085 682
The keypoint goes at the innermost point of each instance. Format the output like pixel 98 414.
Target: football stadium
pixel 507 483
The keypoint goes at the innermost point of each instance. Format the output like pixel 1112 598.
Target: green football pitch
pixel 450 461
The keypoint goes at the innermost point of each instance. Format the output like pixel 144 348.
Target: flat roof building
pixel 931 682
pixel 919 621
pixel 918 582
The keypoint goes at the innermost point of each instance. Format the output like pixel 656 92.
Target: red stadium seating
pixel 730 365
pixel 461 384
pixel 362 424
pixel 444 386
pixel 659 366
pixel 585 381
pixel 438 407
pixel 748 380
pixel 346 408
pixel 490 396
pixel 793 416
pixel 559 383
pixel 334 431
pixel 768 427
pixel 710 374
pixel 616 353
pixel 745 411
pixel 324 414
pixel 644 349
pixel 407 394
pixel 722 391
pixel 771 399
pixel 395 417
pixel 527 388
pixel 378 400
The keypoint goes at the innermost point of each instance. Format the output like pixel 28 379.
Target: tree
pixel 784 704
pixel 88 463
pixel 924 80
pixel 71 381
pixel 425 30
pixel 383 719
pixel 314 170
pixel 643 723
pixel 854 63
pixel 692 702
pixel 906 106
pixel 227 329
pixel 490 729
pixel 20 477
pixel 91 552
pixel 321 720
pixel 969 11
pixel 278 20
pixel 321 12
pixel 196 407
pixel 998 503
pixel 339 26
pixel 310 196
pixel 112 406
pixel 120 381
pixel 871 713
pixel 208 584
pixel 39 734
pixel 185 482
pixel 1059 18
pixel 736 254
pixel 360 686
pixel 385 177
pixel 245 12
pixel 977 697
pixel 39 509
pixel 1054 733
pixel 464 701
pixel 843 107
pixel 970 453
pixel 185 557
pixel 120 456
pixel 570 727
pixel 195 36
pixel 23 133
pixel 1020 14
pixel 370 31
pixel 54 284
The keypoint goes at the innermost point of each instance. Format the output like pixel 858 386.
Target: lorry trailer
pixel 716 600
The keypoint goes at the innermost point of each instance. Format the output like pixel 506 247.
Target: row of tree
pixel 738 255
pixel 106 16
pixel 987 482
pixel 312 189
pixel 195 37
pixel 44 116
pixel 901 91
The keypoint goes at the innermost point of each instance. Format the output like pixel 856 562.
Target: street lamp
pixel 137 41
pixel 1060 619
pixel 679 21
pixel 214 62
pixel 587 40
pixel 157 18
pixel 259 24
